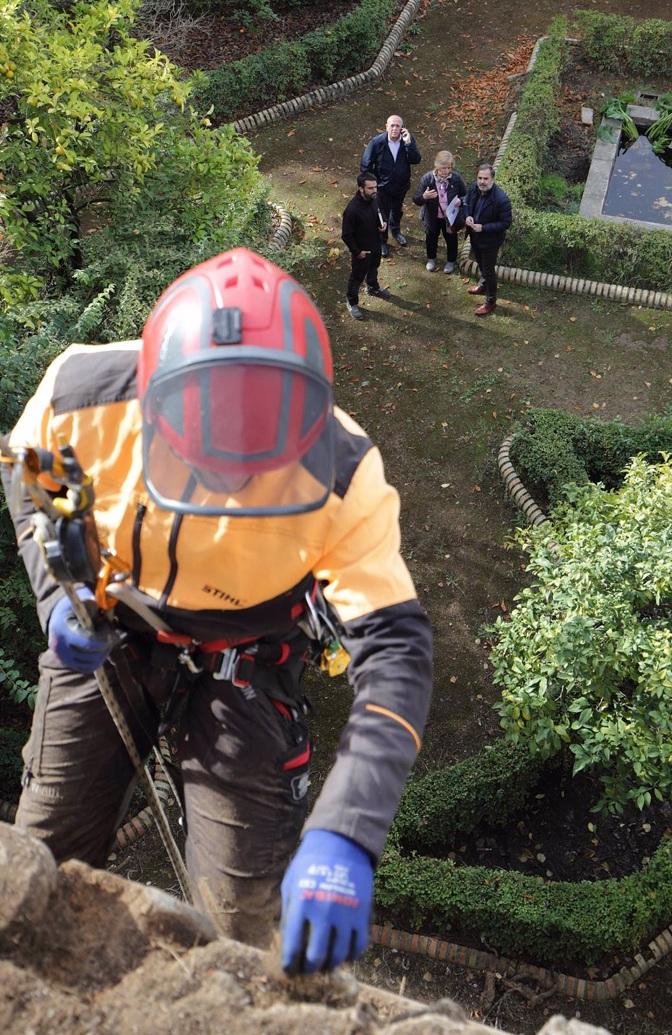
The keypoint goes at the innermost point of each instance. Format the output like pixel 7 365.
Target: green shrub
pixel 447 803
pixel 621 44
pixel 538 119
pixel 518 915
pixel 555 448
pixel 586 657
pixel 20 690
pixel 285 70
pixel 102 128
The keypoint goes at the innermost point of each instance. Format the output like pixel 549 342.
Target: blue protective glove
pixel 326 903
pixel 78 648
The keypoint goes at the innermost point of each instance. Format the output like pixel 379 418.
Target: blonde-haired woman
pixel 436 190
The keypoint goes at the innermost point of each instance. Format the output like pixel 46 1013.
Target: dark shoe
pixel 488 307
pixel 400 239
pixel 477 289
pixel 378 292
pixel 355 312
pixel 385 251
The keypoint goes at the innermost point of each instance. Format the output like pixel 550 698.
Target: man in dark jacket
pixel 389 157
pixel 362 225
pixel 488 216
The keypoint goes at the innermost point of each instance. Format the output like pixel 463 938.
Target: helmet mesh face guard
pixel 236 398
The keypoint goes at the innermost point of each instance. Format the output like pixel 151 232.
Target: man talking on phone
pixel 388 157
pixel 363 224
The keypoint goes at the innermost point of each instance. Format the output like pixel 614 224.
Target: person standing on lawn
pixel 487 211
pixel 436 191
pixel 362 225
pixel 389 156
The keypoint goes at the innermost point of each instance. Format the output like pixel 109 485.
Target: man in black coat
pixel 488 216
pixel 389 156
pixel 362 226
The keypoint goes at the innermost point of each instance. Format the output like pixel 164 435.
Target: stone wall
pixel 82 951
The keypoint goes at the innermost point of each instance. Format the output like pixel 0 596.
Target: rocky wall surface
pixel 83 951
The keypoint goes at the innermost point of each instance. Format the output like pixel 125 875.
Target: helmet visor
pixel 240 435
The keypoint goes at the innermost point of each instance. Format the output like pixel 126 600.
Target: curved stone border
pixel 476 959
pixel 283 232
pixel 515 488
pixel 336 91
pixel 555 281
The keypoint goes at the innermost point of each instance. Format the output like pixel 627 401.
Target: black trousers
pixel 432 239
pixel 243 761
pixel 363 269
pixel 486 257
pixel 391 208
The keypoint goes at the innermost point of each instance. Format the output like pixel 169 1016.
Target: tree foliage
pixel 586 657
pixel 97 131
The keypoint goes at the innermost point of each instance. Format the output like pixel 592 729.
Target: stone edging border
pixel 555 281
pixel 515 488
pixel 335 91
pixel 282 233
pixel 476 959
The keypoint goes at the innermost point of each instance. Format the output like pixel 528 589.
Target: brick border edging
pixel 283 232
pixel 515 488
pixel 556 281
pixel 477 959
pixel 335 91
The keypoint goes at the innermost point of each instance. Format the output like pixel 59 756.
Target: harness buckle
pixel 228 665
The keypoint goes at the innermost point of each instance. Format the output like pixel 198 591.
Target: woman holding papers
pixel 440 194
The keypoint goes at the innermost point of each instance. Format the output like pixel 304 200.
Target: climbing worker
pixel 250 527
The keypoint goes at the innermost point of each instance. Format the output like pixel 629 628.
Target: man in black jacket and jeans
pixel 488 216
pixel 362 225
pixel 389 156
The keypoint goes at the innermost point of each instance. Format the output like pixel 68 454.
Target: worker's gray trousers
pixel 244 777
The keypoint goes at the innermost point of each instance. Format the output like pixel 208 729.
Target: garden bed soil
pixel 219 37
pixel 560 837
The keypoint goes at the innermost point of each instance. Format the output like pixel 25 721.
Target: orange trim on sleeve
pixel 397 718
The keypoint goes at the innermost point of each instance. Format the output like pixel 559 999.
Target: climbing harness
pixel 64 528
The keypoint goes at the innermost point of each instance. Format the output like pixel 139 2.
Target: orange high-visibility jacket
pixel 216 577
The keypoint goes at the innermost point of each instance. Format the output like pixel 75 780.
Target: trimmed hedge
pixel 570 244
pixel 621 44
pixel 554 448
pixel 288 69
pixel 516 914
pixel 488 787
pixel 549 922
pixel 538 119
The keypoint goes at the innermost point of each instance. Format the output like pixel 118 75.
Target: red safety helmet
pixel 234 378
